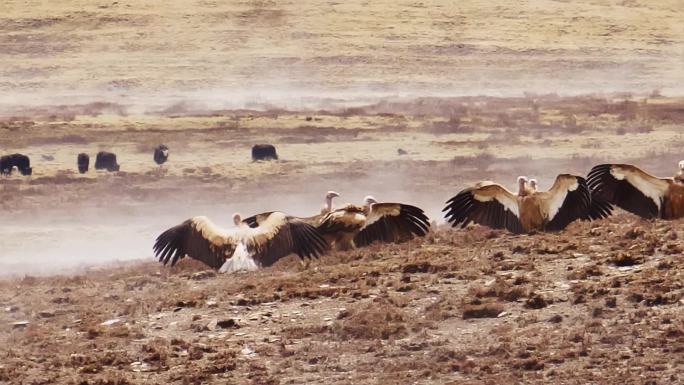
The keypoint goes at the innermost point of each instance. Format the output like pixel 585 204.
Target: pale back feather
pixel 652 187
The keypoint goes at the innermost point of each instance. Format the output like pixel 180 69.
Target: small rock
pixel 20 324
pixel 202 275
pixel 11 309
pixel 556 319
pixel 111 322
pixel 502 314
pixel 227 324
pixel 401 151
pixel 247 351
pixel 536 302
pixel 242 302
pixel 46 314
pixel 182 304
pixel 138 366
pixel 212 304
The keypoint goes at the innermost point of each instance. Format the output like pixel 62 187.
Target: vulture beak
pixel 237 219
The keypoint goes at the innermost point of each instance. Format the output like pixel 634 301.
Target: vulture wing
pixel 255 220
pixel 199 239
pixel 599 208
pixel 278 235
pixel 486 203
pixel 568 199
pixel 392 222
pixel 347 219
pixel 628 187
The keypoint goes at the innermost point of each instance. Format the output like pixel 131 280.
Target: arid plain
pixel 339 88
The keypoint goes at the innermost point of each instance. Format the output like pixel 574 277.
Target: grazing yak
pixel 83 162
pixel 161 154
pixel 20 161
pixel 106 161
pixel 264 152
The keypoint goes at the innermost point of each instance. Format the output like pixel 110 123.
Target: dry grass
pixel 340 314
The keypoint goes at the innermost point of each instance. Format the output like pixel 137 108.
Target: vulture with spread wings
pixel 639 192
pixel 242 247
pixel 492 205
pixel 356 226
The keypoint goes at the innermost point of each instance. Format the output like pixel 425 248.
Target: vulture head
pixel 533 185
pixel 330 195
pixel 681 166
pixel 369 200
pixel 237 219
pixel 327 207
pixel 522 182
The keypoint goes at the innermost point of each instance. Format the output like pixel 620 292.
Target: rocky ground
pixel 600 303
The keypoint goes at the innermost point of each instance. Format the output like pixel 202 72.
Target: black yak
pixel 83 162
pixel 264 152
pixel 6 164
pixel 106 161
pixel 161 154
pixel 20 161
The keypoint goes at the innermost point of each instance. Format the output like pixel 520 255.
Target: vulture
pixel 492 205
pixel 314 220
pixel 353 226
pixel 680 174
pixel 637 191
pixel 242 247
pixel 357 226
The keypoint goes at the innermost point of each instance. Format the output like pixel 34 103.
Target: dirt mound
pixel 469 306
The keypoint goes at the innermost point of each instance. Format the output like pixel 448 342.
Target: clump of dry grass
pixel 373 320
pixel 486 310
pixel 501 290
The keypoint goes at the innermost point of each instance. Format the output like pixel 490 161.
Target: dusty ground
pixel 58 218
pixel 598 303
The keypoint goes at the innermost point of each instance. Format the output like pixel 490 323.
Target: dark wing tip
pixel 308 242
pixel 168 248
pixel 251 221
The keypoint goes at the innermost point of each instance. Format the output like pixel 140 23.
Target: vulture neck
pixel 522 189
pixel 327 205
